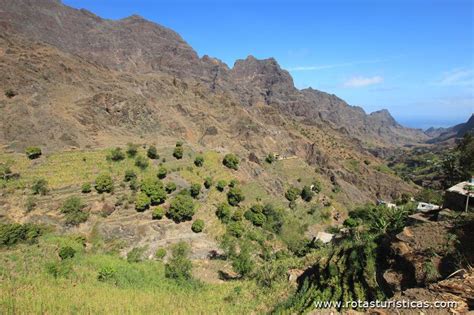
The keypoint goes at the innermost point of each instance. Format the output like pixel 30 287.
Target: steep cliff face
pixel 135 45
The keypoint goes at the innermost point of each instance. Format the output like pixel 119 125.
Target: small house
pixel 460 196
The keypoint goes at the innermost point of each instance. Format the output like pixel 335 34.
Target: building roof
pixel 459 188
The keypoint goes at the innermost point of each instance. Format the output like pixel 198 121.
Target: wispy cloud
pixel 359 81
pixel 342 64
pixel 458 76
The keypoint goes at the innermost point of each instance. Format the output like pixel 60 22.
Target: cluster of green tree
pixel 347 270
pixel 11 234
pixel 458 164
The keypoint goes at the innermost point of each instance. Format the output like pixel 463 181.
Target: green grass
pixel 26 287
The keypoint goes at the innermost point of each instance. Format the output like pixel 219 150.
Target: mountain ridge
pixel 133 44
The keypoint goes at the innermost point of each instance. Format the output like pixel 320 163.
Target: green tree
pixel 104 184
pixel 235 196
pixel 142 202
pixel 243 263
pixel 158 213
pixel 162 172
pixel 33 152
pixel 152 153
pixel 141 162
pixel 231 161
pixel 179 267
pixel 153 188
pixel 73 210
pixel 181 208
pixel 197 226
pixel 199 161
pixel 195 189
pixel 292 194
pixel 224 212
pixel 86 188
pixel 178 152
pixel 208 182
pixel 170 187
pixel 235 228
pixel 132 150
pixel 221 184
pixel 129 175
pixel 307 194
pixel 40 187
pixel 116 154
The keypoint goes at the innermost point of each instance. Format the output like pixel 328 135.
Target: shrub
pixel 179 267
pixel 242 263
pixel 238 215
pixel 255 215
pixel 141 162
pixel 11 234
pixel 86 188
pixel 195 189
pixel 197 226
pixel 199 161
pixel 10 93
pixel 430 196
pixel 132 150
pixel 129 175
pixel 270 158
pixel 30 203
pixel 235 228
pixel 235 196
pixel 292 194
pixel 116 155
pixel 152 153
pixel 33 152
pixel 224 212
pixel 40 187
pixel 104 184
pixel 66 252
pixel 170 187
pixel 142 202
pixel 233 183
pixel 5 171
pixel 231 161
pixel 153 188
pixel 134 184
pixel 316 186
pixel 257 219
pixel 162 171
pixel 107 274
pixel 179 144
pixel 208 182
pixel 221 184
pixel 72 208
pixel 307 194
pixel 160 253
pixel 158 213
pixel 136 254
pixel 181 208
pixel 178 152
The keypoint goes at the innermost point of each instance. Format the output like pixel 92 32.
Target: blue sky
pixel 415 58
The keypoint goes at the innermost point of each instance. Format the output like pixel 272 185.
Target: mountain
pixel 136 46
pixel 449 134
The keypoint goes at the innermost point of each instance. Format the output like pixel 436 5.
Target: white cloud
pixel 459 76
pixel 359 81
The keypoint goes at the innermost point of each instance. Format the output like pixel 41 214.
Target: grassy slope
pixel 26 287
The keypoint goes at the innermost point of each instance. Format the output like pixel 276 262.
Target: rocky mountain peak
pixel 384 116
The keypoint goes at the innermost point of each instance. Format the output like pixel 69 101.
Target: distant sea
pixel 428 123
